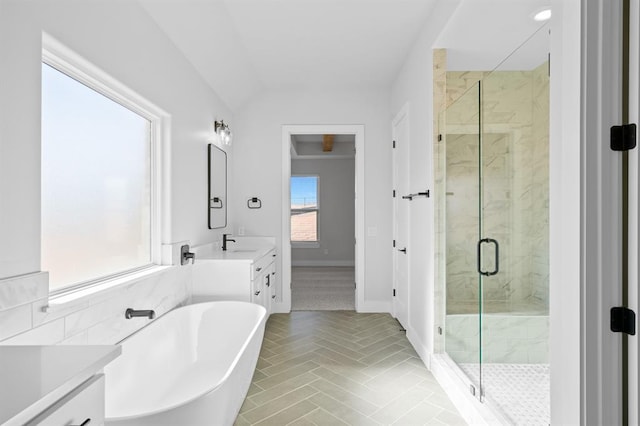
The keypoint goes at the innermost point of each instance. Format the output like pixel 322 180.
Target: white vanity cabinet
pixel 244 274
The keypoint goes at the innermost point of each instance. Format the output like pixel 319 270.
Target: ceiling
pixel 243 47
pixel 309 147
pixel 482 33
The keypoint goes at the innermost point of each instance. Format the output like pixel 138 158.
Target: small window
pixel 304 209
pixel 97 183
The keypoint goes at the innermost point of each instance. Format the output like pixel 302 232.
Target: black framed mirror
pixel 217 197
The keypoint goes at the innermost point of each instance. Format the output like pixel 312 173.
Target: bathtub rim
pixel 224 378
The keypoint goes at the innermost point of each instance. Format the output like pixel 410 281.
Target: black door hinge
pixel 439 138
pixel 623 138
pixel 623 320
pixel 394 243
pixel 394 292
pixel 394 144
pixel 394 193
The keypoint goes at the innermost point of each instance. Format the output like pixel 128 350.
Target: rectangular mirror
pixel 217 208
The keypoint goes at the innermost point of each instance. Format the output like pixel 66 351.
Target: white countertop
pixel 32 377
pixel 244 248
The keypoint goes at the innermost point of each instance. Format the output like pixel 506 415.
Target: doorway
pixel 314 255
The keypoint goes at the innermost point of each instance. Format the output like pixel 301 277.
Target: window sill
pixel 100 291
pixel 305 245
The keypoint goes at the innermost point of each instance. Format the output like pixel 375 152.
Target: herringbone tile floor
pixel 342 368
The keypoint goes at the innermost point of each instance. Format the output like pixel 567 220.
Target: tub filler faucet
pixel 225 240
pixel 186 255
pixel 130 313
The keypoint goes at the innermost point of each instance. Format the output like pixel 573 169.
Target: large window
pixel 97 183
pixel 304 209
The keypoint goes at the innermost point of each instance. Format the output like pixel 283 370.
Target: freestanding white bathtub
pixel 193 366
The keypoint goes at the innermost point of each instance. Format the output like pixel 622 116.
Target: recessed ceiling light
pixel 542 15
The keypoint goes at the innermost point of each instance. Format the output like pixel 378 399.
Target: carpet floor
pixel 327 288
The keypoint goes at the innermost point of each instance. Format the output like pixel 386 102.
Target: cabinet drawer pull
pixel 85 423
pixel 257 292
pixel 258 269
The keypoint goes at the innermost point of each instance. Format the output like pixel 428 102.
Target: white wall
pixel 121 39
pixel 257 167
pixel 336 219
pixel 414 85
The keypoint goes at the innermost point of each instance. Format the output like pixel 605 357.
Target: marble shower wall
pixel 514 113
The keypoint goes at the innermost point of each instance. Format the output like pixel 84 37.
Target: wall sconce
pixel 223 133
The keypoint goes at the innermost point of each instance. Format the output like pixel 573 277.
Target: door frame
pixel 403 113
pixel 314 129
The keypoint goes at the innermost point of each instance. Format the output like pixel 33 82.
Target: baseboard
pixel 322 263
pixel 374 307
pixel 419 347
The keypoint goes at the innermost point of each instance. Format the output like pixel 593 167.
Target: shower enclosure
pixel 492 186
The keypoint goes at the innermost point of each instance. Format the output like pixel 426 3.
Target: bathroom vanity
pixel 53 385
pixel 246 271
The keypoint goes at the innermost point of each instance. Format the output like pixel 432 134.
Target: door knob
pixel 404 250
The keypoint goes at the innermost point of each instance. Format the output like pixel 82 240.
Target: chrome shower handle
pixel 479 256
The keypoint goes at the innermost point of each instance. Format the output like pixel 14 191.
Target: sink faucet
pixel 130 313
pixel 225 240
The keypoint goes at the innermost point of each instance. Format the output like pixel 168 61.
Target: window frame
pixel 308 244
pixel 64 60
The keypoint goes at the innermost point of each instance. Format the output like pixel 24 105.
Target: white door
pixel 401 217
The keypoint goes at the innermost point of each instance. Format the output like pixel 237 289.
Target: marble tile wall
pixel 27 316
pixel 514 187
pixel 505 339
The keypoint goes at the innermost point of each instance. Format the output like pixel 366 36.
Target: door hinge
pixel 623 138
pixel 439 138
pixel 394 193
pixel 623 320
pixel 394 292
pixel 394 243
pixel 394 144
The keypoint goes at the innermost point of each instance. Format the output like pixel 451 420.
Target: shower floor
pixel 521 391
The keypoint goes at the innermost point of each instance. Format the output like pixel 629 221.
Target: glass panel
pixel 96 183
pixel 515 213
pixel 461 182
pixel 304 208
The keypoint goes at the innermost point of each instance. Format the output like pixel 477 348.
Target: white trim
pixel 63 59
pixel 634 197
pixel 284 305
pixel 600 213
pixel 338 263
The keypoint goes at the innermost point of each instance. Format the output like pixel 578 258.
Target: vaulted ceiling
pixel 243 47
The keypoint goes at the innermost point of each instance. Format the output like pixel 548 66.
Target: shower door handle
pixel 497 264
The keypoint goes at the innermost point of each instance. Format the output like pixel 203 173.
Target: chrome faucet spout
pixel 225 240
pixel 131 313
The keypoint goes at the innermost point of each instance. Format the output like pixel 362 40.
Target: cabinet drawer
pixel 82 406
pixel 263 263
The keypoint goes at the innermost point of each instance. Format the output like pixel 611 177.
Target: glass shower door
pixel 462 206
pixel 513 251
